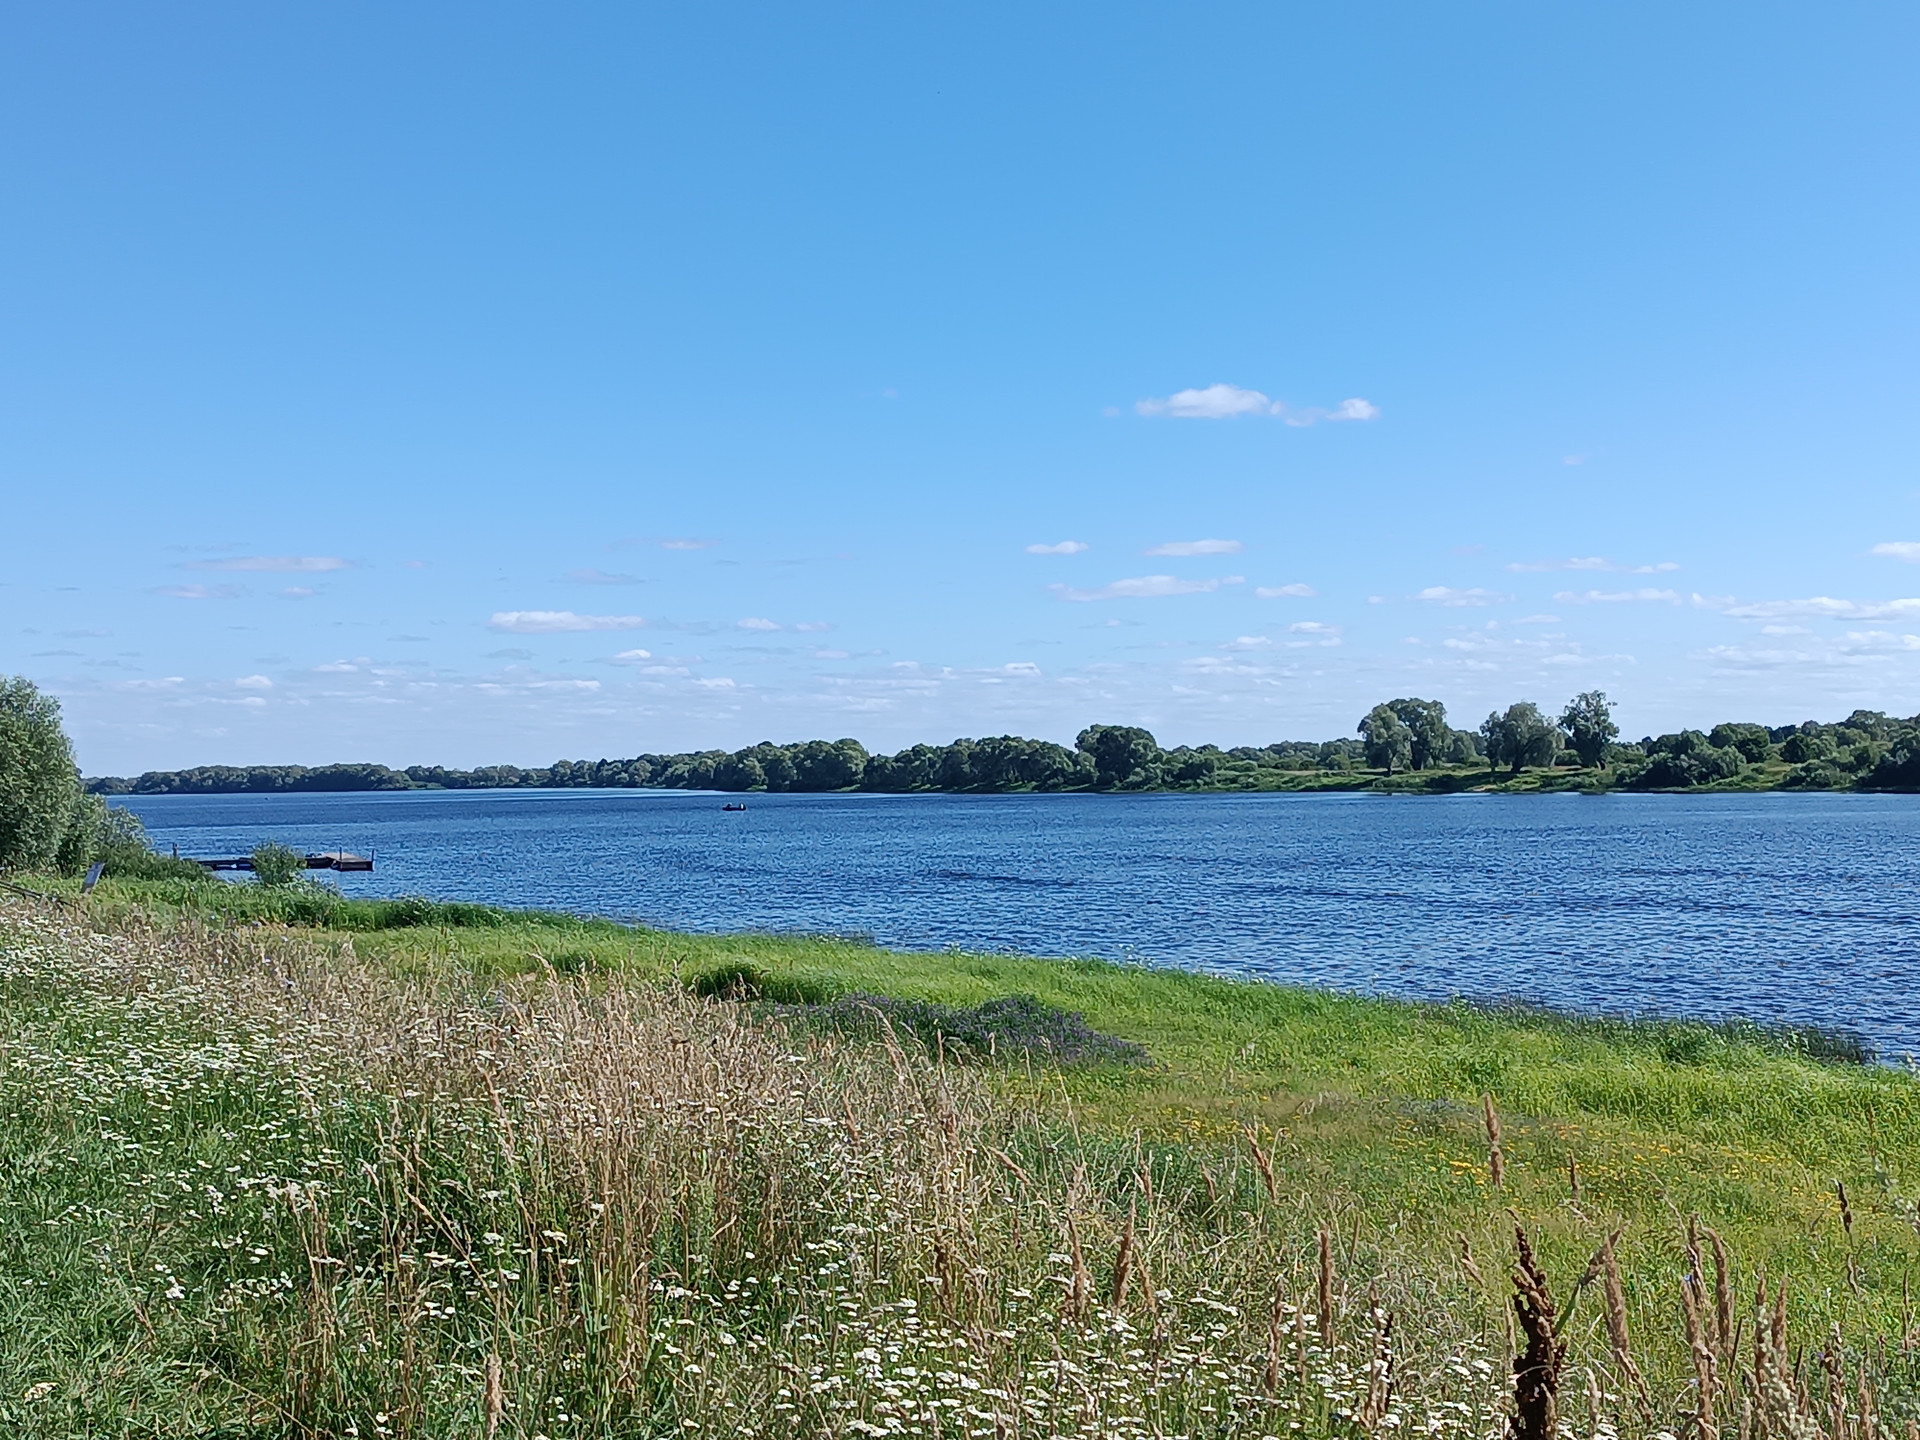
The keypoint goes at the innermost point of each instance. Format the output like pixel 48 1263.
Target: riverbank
pixel 1261 1116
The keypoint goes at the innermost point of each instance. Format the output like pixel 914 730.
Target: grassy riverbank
pixel 454 1054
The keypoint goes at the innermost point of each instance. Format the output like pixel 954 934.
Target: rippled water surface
pixel 1777 907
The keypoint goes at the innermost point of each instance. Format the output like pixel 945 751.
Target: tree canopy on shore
pixel 1407 737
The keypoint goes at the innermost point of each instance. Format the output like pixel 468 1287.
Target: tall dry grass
pixel 560 1207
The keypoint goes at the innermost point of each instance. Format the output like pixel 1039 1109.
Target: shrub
pixel 274 865
pixel 1011 1027
pixel 740 979
pixel 119 843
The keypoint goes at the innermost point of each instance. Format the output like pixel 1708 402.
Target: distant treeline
pixel 1105 757
pixel 1867 750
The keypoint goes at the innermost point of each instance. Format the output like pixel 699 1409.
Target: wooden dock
pixel 327 860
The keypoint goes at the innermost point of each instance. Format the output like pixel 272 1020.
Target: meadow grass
pixel 415 1170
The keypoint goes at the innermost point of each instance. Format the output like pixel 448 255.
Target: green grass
pixel 1657 1115
pixel 1368 1109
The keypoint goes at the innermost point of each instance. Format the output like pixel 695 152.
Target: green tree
pixel 39 785
pixel 1125 757
pixel 1520 737
pixel 1809 743
pixel 1686 758
pixel 1589 727
pixel 1388 740
pixel 1752 741
pixel 1428 734
pixel 739 771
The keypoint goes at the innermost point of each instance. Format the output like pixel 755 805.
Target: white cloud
pixel 296 592
pixel 632 657
pixel 1214 402
pixel 253 682
pixel 831 654
pixel 1611 597
pixel 1285 592
pixel 718 683
pixel 812 626
pixel 1065 547
pixel 1590 562
pixel 275 564
pixel 1354 409
pixel 683 544
pixel 197 592
pixel 1818 607
pixel 1448 595
pixel 1144 587
pixel 336 667
pixel 755 622
pixel 1021 667
pixel 558 622
pixel 1908 550
pixel 1181 549
pixel 1538 620
pixel 1226 402
pixel 1312 627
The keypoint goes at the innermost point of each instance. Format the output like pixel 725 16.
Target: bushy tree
pixel 828 765
pixel 277 865
pixel 1388 740
pixel 1686 758
pixel 1588 724
pixel 739 771
pixel 39 785
pixel 1125 757
pixel 1185 766
pixel 1519 737
pixel 1899 768
pixel 1808 743
pixel 1752 741
pixel 1429 736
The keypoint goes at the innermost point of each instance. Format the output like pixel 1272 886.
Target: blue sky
pixel 484 383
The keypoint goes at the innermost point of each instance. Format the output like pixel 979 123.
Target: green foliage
pixel 1685 759
pixel 1388 740
pixel 1809 742
pixel 275 865
pixel 1753 742
pixel 39 784
pixel 1520 737
pixel 1429 737
pixel 1125 757
pixel 1588 724
pixel 1867 750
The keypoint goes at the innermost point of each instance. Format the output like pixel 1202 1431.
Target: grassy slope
pixel 1373 1101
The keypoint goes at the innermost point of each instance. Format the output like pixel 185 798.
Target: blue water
pixel 1800 908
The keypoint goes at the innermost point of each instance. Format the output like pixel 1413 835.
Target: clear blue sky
pixel 481 383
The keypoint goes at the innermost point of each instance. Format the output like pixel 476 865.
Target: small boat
pixel 733 807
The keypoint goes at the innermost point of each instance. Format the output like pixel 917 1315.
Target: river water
pixel 1785 907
